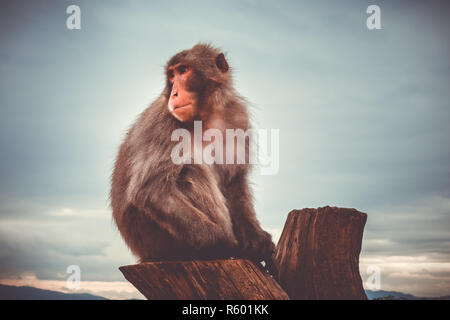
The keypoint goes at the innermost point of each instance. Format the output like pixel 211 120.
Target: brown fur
pixel 166 211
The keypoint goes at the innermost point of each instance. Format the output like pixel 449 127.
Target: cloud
pixel 418 275
pixel 46 243
pixel 418 227
pixel 410 245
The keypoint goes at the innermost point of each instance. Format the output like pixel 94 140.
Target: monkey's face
pixel 192 75
pixel 182 100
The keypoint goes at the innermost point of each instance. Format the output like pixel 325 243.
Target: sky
pixel 363 118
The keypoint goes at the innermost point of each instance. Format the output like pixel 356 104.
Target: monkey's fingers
pixel 267 266
pixel 272 268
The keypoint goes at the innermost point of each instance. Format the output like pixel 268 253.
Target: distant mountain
pixel 394 295
pixel 371 295
pixel 30 293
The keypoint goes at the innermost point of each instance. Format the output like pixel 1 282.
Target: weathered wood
pixel 318 254
pixel 203 279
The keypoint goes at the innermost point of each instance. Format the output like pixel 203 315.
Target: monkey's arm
pixel 251 237
pixel 194 213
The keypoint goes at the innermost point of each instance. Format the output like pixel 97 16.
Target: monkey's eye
pixel 182 69
pixel 170 74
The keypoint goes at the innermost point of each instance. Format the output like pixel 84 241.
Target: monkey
pixel 166 211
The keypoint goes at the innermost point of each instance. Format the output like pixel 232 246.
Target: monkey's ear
pixel 221 63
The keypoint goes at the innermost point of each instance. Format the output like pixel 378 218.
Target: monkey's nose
pixel 175 94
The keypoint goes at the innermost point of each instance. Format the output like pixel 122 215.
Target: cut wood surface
pixel 318 254
pixel 203 279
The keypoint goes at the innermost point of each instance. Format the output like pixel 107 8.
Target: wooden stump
pixel 203 279
pixel 318 254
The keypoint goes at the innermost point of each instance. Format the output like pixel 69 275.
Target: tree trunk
pixel 318 254
pixel 203 279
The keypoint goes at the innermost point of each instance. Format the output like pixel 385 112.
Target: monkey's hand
pixel 257 245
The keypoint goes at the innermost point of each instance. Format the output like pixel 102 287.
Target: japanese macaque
pixel 168 211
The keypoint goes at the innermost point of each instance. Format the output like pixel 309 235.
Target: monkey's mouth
pixel 181 107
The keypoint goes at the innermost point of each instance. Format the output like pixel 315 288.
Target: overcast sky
pixel 363 118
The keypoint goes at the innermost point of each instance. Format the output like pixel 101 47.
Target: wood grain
pixel 235 279
pixel 318 254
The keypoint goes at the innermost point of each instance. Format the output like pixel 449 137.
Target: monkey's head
pixel 192 76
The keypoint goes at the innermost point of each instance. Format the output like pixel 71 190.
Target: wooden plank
pixel 231 279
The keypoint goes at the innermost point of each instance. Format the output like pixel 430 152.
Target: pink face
pixel 182 103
